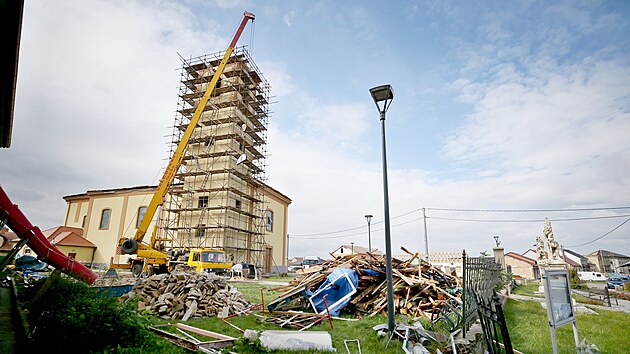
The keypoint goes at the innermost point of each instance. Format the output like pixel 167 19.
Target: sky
pixel 514 107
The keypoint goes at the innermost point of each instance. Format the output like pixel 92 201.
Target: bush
pixel 505 279
pixel 579 287
pixel 71 318
pixel 626 286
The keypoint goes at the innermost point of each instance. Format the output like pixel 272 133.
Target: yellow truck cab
pixel 210 260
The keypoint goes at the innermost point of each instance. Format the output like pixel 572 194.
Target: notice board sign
pixel 558 296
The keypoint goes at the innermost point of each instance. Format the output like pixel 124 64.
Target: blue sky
pixel 498 105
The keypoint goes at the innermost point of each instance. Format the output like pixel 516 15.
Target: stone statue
pixel 552 245
pixel 540 250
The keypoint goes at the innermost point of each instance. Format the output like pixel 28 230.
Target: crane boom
pixel 131 245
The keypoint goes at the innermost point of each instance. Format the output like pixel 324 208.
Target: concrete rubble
pixel 186 294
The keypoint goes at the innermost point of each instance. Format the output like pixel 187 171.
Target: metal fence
pixel 480 277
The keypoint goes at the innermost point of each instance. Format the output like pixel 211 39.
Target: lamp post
pixel 352 247
pixel 383 96
pixel 496 240
pixel 369 219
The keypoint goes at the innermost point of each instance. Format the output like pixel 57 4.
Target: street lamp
pixel 496 240
pixel 369 219
pixel 383 96
pixel 352 247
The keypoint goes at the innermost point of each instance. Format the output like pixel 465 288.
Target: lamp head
pixel 496 240
pixel 383 96
pixel 368 218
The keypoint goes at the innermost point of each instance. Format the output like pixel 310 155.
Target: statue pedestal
pixel 556 264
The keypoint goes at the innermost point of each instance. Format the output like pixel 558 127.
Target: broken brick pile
pixel 186 294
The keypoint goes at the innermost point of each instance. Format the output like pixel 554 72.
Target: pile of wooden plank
pixel 185 294
pixel 420 289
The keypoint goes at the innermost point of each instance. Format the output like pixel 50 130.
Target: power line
pixel 530 220
pixel 355 228
pixel 356 234
pixel 528 210
pixel 477 220
pixel 602 236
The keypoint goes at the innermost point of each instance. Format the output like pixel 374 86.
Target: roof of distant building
pixel 573 253
pixel 67 236
pixel 10 237
pixel 520 257
pixel 571 262
pixel 610 254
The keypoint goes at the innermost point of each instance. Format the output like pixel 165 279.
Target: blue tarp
pixel 336 291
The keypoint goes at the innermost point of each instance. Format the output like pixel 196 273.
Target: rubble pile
pixel 420 289
pixel 185 294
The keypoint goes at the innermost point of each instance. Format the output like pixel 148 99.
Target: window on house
pixel 238 204
pixel 201 230
pixel 105 216
pixel 269 220
pixel 73 255
pixel 202 202
pixel 141 211
pixel 84 220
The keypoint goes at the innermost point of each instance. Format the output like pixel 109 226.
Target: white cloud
pixel 557 120
pixel 93 105
pixel 288 18
pixel 228 4
pixel 279 78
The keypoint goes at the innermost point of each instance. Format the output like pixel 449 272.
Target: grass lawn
pixel 529 330
pixel 528 289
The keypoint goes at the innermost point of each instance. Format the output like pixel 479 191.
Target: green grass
pixel 529 330
pixel 362 330
pixel 251 291
pixel 585 300
pixel 528 289
pixel 531 289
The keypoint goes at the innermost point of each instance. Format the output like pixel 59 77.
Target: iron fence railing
pixel 479 301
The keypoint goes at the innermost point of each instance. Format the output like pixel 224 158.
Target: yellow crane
pixel 148 254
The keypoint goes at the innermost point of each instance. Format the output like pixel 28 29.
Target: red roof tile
pixel 520 258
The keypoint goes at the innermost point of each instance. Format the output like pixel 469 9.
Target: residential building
pixel 447 262
pixel 609 262
pixel 582 262
pixel 68 240
pixel 521 266
pixel 71 242
pixel 345 250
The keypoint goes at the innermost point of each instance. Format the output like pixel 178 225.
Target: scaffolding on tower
pixel 217 198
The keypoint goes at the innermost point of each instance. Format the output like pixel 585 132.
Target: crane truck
pixel 149 258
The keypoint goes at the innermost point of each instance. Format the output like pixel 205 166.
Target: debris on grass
pixel 185 294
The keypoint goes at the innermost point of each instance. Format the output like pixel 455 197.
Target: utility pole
pixel 426 237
